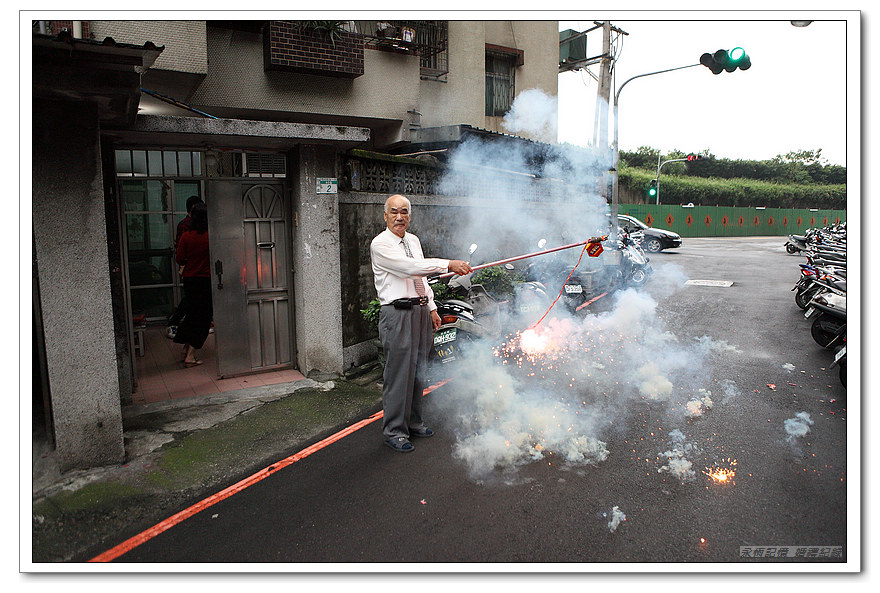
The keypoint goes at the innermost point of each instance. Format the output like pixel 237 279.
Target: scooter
pixel 634 263
pixel 476 315
pixel 626 266
pixel 829 324
pixel 814 281
pixel 798 243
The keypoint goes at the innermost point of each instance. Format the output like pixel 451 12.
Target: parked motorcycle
pixel 821 288
pixel 634 265
pixel 587 283
pixel 828 238
pixel 828 312
pixel 474 314
pixel 816 280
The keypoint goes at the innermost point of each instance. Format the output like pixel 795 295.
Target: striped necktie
pixel 419 285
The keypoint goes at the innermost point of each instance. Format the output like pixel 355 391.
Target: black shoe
pixel 422 431
pixel 400 444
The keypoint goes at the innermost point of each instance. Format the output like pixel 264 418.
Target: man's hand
pixel 435 318
pixel 459 267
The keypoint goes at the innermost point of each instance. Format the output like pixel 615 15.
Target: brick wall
pixel 294 49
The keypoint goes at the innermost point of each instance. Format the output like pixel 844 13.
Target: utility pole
pixel 603 94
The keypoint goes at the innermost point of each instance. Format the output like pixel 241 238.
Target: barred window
pixel 499 83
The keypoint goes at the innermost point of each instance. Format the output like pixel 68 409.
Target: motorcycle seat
pixel 456 305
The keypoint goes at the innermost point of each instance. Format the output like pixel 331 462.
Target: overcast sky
pixel 794 97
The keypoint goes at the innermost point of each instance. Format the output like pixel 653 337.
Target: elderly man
pixel 407 320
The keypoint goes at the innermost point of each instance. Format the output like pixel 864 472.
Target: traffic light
pixel 695 157
pixel 726 60
pixel 652 189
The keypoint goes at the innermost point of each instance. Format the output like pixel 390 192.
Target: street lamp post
pixel 615 159
pixel 659 166
pixel 721 60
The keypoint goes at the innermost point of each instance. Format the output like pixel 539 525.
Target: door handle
pixel 218 269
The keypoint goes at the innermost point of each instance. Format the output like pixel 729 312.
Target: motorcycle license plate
pixel 840 354
pixel 809 312
pixel 573 289
pixel 445 336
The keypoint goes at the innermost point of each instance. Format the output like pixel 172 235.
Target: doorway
pixel 250 248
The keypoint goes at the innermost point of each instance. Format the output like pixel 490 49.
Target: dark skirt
pixel 196 324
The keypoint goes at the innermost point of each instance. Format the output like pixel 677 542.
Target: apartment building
pixel 266 121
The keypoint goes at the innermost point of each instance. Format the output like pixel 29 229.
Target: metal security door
pixel 267 264
pixel 250 248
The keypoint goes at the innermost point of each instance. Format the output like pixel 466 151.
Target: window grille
pixel 500 70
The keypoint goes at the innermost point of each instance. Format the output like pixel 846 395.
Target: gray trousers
pixel 407 336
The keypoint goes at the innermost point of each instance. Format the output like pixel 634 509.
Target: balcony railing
pixel 427 39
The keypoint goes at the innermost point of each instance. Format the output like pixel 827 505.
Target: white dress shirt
pixel 394 272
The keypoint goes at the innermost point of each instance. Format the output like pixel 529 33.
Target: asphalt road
pixel 731 364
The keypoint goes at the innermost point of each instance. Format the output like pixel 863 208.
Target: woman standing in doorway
pixel 193 256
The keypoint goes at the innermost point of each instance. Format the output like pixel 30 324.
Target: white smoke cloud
pixel 798 426
pixel 534 114
pixel 554 395
pixel 677 463
pixel 557 402
pixel 698 405
pixel 617 517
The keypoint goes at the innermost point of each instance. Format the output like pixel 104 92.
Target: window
pixel 499 83
pixel 153 207
pixel 158 163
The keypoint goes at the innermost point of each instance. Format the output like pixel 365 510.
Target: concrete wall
pixel 465 82
pixel 539 41
pixel 461 98
pixel 70 239
pixel 237 80
pixel 186 48
pixel 316 252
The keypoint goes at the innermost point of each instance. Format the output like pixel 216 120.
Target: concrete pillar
pixel 315 250
pixel 70 240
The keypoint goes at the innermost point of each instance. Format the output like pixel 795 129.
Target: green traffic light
pixel 736 54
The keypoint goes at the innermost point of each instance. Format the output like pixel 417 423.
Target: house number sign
pixel 327 185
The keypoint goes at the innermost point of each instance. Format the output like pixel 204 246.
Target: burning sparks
pixel 532 343
pixel 721 474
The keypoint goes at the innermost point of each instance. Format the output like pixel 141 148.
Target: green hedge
pixel 675 189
